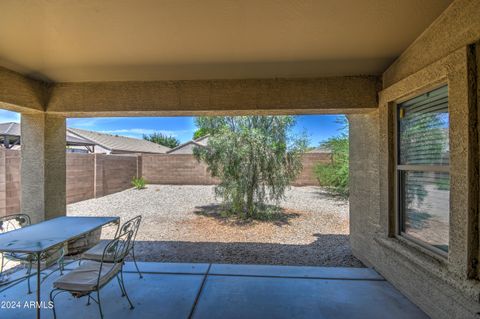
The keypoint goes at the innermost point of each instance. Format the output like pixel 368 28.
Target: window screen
pixel 423 168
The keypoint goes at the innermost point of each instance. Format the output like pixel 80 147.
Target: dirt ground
pixel 184 224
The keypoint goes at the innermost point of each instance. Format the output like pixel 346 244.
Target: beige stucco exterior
pixel 448 52
pixel 170 98
pixel 443 287
pixel 43 171
pixel 145 40
pixel 21 94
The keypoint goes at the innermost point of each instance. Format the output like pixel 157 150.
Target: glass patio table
pixel 38 238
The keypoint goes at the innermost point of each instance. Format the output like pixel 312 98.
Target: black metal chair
pixel 95 253
pixel 55 254
pixel 91 276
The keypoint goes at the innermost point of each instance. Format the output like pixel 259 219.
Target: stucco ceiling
pixel 99 40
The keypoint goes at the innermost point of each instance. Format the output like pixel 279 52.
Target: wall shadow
pixel 327 250
pixel 325 193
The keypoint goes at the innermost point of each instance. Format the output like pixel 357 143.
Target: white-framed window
pixel 423 169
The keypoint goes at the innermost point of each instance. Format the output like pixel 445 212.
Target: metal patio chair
pixel 91 276
pixel 95 253
pixel 54 255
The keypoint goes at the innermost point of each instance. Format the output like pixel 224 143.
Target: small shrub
pixel 335 174
pixel 138 182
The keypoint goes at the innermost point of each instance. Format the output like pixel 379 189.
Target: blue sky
pixel 317 127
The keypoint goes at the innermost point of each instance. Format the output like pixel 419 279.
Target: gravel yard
pixel 181 223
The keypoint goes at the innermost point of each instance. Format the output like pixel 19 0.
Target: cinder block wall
pixel 185 169
pixel 96 175
pixel 309 161
pixel 9 182
pixel 175 169
pixel 117 172
pixel 88 176
pixel 12 181
pixel 80 177
pixel 3 185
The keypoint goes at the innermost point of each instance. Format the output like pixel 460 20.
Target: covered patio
pixel 210 291
pixel 371 60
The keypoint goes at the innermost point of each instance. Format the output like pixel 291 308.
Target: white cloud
pixel 135 131
pixel 123 127
pixel 87 122
pixel 142 131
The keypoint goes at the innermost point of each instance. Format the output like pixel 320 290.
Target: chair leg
pixel 88 301
pixel 52 299
pixel 135 262
pixel 120 285
pixel 99 304
pixel 29 271
pixel 125 290
pixel 1 268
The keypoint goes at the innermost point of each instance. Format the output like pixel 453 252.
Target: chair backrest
pixel 131 225
pixel 12 222
pixel 115 252
pixel 117 249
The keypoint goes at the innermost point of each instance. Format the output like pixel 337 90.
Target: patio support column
pixel 43 167
pixel 365 217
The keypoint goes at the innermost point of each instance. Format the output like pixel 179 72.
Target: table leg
pixel 38 286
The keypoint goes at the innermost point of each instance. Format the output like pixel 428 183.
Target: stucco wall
pixel 214 97
pixel 443 287
pixel 439 286
pixel 455 28
pixel 364 183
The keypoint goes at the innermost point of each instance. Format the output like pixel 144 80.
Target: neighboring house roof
pixel 202 140
pixel 12 129
pixel 116 143
pixel 187 147
pixel 73 140
pixel 320 149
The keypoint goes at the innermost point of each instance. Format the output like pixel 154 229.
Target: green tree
pixel 254 157
pixel 200 132
pixel 162 139
pixel 335 174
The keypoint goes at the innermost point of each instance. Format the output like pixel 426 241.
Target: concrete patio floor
pixel 171 290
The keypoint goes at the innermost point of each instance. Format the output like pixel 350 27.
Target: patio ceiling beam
pixel 19 93
pixel 348 94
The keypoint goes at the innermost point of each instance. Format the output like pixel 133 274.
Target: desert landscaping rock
pixel 181 223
